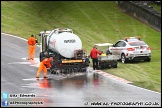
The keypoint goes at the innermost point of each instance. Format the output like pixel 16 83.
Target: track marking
pixel 34 62
pixel 17 37
pixel 33 79
pixel 108 75
pixel 30 79
pixel 112 76
pixel 19 63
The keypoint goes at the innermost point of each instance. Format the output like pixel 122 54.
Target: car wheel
pixel 123 58
pixel 148 60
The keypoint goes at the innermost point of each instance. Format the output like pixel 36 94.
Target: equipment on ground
pixel 65 48
pixel 106 59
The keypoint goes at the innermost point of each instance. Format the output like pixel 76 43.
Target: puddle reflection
pixel 44 83
pixel 67 91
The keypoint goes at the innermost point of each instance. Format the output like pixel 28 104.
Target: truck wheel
pixel 101 65
pixel 41 55
pixel 115 64
pixel 123 59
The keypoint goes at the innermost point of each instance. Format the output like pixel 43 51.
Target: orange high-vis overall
pixel 31 49
pixel 42 66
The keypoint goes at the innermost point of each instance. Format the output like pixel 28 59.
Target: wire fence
pixel 143 12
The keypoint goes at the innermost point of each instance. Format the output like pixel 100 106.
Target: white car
pixel 131 48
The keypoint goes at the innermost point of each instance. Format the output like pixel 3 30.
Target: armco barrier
pixel 143 12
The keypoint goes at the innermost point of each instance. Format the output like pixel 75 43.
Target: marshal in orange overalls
pixel 42 66
pixel 32 46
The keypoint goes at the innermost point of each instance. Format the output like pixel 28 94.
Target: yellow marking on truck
pixel 103 54
pixel 71 61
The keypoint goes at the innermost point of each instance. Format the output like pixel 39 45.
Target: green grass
pixel 157 7
pixel 93 22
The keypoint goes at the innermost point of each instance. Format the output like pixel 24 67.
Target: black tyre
pixel 41 55
pixel 123 59
pixel 115 64
pixel 148 60
pixel 101 65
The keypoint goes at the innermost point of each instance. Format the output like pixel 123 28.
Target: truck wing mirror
pixel 39 34
pixel 36 41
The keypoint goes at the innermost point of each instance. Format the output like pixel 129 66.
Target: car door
pixel 115 48
pixel 121 48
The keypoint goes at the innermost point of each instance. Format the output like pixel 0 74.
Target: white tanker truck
pixel 66 49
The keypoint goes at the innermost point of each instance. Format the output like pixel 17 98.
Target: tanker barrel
pixel 64 43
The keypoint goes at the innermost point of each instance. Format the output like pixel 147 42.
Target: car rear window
pixel 139 43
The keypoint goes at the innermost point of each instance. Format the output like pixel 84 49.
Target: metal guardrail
pixel 143 12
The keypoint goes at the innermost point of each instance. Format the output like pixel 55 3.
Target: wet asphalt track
pixel 88 89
